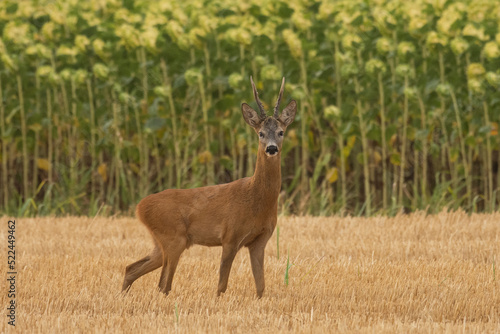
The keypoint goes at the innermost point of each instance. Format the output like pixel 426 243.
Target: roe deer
pixel 241 213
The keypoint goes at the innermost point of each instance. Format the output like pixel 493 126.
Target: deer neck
pixel 267 177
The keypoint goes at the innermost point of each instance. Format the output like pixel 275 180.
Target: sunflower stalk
pixel 34 183
pixel 364 144
pixel 403 146
pixel 425 148
pixel 50 148
pixel 142 153
pixel 4 151
pixel 304 184
pixel 340 139
pixel 446 147
pixel 173 115
pixel 117 151
pixel 384 143
pixel 364 140
pixel 24 135
pixel 93 153
pixel 73 134
pixel 465 162
pixel 489 163
pixel 210 174
pixel 248 131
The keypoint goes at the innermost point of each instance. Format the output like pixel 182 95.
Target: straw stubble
pixel 412 273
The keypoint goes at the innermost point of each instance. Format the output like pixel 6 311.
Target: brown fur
pixel 239 214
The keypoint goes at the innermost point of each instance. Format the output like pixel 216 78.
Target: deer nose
pixel 272 149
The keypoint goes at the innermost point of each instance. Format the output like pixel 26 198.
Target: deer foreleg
pixel 256 250
pixel 228 254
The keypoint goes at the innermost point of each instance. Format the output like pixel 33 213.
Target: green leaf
pixel 470 141
pixel 395 159
pixel 155 123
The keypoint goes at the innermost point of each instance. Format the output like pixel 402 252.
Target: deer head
pixel 270 129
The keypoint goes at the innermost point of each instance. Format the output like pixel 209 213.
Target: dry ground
pixel 378 275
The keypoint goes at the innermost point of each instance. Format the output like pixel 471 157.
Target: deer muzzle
pixel 272 150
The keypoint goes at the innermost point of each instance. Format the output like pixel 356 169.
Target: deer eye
pixel 280 134
pixel 261 135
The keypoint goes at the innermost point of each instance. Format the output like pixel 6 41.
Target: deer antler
pixel 256 95
pixel 277 106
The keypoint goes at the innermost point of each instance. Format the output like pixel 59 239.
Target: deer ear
pixel 250 115
pixel 288 114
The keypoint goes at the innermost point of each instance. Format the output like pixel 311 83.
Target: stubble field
pixel 413 273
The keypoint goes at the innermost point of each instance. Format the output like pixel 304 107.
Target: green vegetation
pixel 104 102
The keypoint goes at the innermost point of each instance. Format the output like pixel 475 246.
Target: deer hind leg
pixel 143 266
pixel 172 250
pixel 228 254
